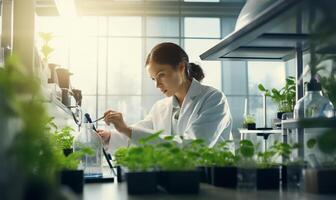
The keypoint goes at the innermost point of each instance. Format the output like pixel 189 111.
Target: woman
pixel 190 109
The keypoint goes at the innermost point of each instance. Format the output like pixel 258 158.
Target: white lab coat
pixel 204 114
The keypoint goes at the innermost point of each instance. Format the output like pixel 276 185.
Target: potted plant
pixel 284 98
pixel 178 172
pixel 246 173
pixel 268 165
pixel 249 122
pixel 46 49
pixel 69 174
pixel 68 161
pixel 291 168
pixel 268 171
pixel 64 139
pixel 140 163
pixel 224 170
pixel 201 154
pixel 320 177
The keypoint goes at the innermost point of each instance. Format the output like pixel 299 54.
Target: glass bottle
pixel 313 104
pixel 91 164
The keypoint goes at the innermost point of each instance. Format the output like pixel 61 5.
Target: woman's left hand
pixel 117 120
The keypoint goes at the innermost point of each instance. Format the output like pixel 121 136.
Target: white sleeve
pixel 213 120
pixel 143 128
pixel 116 141
pixel 140 129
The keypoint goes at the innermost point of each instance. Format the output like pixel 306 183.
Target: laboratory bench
pixel 118 191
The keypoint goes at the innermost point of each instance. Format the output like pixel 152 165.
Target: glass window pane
pixel 152 42
pixel 102 65
pixel 129 106
pixel 256 108
pixel 228 25
pixel 125 26
pixel 237 110
pixel 60 55
pixel 147 103
pixel 53 25
pixel 102 26
pixel 201 27
pixel 83 64
pixel 212 69
pixel 162 26
pixel 270 74
pixel 124 66
pixel 89 105
pixel 233 71
pixel 87 26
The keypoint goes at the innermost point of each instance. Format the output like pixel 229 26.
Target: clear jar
pixel 313 104
pixel 90 164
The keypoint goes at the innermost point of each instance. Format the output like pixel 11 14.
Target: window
pixel 202 27
pixel 107 56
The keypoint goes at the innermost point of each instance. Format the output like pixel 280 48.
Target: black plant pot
pixel 74 179
pixel 120 174
pixel 67 152
pixel 268 178
pixel 205 174
pixel 141 182
pixel 180 182
pixel 321 181
pixel 283 177
pixel 251 126
pixel 291 177
pixel 224 177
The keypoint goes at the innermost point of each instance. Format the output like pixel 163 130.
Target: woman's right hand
pixel 105 135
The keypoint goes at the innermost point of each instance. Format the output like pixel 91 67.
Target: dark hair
pixel 172 54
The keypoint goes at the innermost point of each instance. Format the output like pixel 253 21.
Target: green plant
pixel 138 158
pixel 46 49
pixel 63 137
pixel 249 119
pixel 285 97
pixel 71 161
pixel 326 145
pixel 269 157
pixel 246 149
pixel 27 153
pixel 153 152
pixel 172 157
pixel 329 84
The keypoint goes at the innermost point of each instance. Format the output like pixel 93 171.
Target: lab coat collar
pixel 194 89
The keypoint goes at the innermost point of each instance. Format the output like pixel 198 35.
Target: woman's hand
pixel 105 135
pixel 117 120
